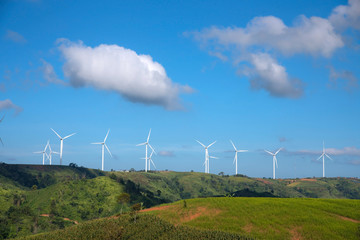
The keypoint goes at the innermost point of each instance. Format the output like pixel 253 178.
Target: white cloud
pixel 113 68
pixel 7 104
pixel 345 78
pixel 15 37
pixel 269 75
pixel 346 151
pixel 345 16
pixel 315 36
pixel 49 73
pixel 167 153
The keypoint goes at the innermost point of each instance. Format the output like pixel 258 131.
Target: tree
pixel 123 198
pixel 135 209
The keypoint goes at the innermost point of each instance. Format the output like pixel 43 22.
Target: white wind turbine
pixel 150 160
pixel 0 137
pixel 50 153
pixel 103 144
pixel 235 159
pixel 206 163
pixel 44 153
pixel 61 143
pixel 147 163
pixel 274 160
pixel 323 158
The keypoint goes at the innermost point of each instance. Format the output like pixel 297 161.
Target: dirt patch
pixel 248 228
pixel 155 208
pixel 295 235
pixel 308 179
pixel 348 219
pixel 200 211
pixel 65 219
pixel 263 180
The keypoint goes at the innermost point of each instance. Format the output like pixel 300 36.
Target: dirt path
pixel 348 219
pixel 154 209
pixel 65 219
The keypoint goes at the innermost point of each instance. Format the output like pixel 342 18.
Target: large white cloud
pixel 114 68
pixel 269 75
pixel 315 36
pixel 345 16
pixel 253 48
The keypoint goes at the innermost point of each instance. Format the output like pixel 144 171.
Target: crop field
pixel 268 218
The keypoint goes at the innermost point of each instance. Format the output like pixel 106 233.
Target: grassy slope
pixel 270 218
pixel 124 227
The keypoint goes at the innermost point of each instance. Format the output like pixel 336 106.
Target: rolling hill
pixel 35 199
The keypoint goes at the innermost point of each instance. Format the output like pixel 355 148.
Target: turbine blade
pixel 214 157
pixel 320 157
pixel 141 144
pixel 152 149
pixel 276 162
pixel 153 163
pixel 1 142
pixel 69 135
pixel 234 159
pixel 106 135
pixel 269 152
pixel 97 143
pixel 201 144
pixel 55 133
pixel 329 157
pixel 38 152
pixel 233 145
pixel 148 136
pixel 108 150
pixel 211 144
pixel 242 150
pixel 2 118
pixel 278 150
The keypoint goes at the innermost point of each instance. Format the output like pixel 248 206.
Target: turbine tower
pixel 44 152
pixel 235 159
pixel 206 163
pixel 147 162
pixel 0 137
pixel 50 153
pixel 150 160
pixel 274 160
pixel 103 144
pixel 61 143
pixel 323 158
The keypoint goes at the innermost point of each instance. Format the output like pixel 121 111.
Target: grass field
pixel 268 218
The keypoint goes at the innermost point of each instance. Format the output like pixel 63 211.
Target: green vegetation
pixel 35 199
pixel 269 218
pixel 124 227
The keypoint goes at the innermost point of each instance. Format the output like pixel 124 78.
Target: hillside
pixel 35 199
pixel 268 218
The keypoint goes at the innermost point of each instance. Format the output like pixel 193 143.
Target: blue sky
pixel 266 74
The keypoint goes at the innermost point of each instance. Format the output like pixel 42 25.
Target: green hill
pixel 35 199
pixel 268 218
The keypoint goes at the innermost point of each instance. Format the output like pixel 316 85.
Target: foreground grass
pixel 126 227
pixel 269 218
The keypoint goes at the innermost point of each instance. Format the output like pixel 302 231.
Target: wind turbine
pixel 50 153
pixel 323 158
pixel 207 165
pixel 150 160
pixel 61 143
pixel 44 152
pixel 103 144
pixel 274 160
pixel 0 137
pixel 235 159
pixel 146 151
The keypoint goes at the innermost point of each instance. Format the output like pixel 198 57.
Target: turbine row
pixel 148 158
